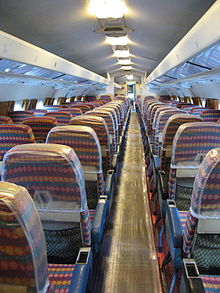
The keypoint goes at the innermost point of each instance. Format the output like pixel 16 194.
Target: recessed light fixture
pixel 130 77
pixel 122 53
pixel 107 8
pixel 126 61
pixel 126 68
pixel 115 41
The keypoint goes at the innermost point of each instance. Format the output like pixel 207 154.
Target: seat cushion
pixel 211 283
pixel 183 217
pixel 60 276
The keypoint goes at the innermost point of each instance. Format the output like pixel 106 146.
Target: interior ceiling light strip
pixel 126 67
pixel 122 53
pixel 107 8
pixel 114 41
pixel 124 62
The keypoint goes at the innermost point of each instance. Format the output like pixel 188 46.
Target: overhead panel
pixel 198 52
pixel 24 58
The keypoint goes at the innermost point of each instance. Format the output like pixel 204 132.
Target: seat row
pixel 182 151
pixel 62 198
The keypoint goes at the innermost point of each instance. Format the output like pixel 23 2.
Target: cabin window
pixel 25 104
pixel 48 101
pixel 197 101
pixel 6 107
pixel 61 101
pixel 211 104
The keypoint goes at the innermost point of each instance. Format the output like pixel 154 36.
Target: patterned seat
pixel 116 108
pixel 159 124
pixel 40 126
pixel 197 110
pixel 5 120
pixel 200 225
pixel 99 126
pixel 84 141
pixel 191 143
pixel 18 116
pixel 109 122
pixel 54 178
pixel 63 118
pixel 115 118
pixel 23 257
pixel 39 112
pixel 210 115
pixel 169 132
pixel 12 135
pixel 73 111
pixel 201 236
pixel 82 107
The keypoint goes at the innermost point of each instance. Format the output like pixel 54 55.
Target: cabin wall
pixel 20 92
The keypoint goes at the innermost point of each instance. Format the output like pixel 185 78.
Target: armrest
pixel 109 183
pixel 99 220
pixel 191 281
pixel 173 226
pixel 163 185
pixel 81 271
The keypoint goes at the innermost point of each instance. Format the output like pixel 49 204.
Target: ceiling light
pixel 122 53
pixel 115 41
pixel 130 77
pixel 126 68
pixel 124 61
pixel 107 8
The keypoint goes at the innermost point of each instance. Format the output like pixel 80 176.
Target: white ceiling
pixel 65 28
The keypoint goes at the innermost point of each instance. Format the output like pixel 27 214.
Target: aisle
pixel 127 262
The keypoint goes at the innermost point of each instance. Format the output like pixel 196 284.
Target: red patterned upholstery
pixel 63 118
pixel 40 126
pixel 12 135
pixel 18 116
pixel 5 120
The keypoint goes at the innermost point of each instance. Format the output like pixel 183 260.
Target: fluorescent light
pixel 124 61
pixel 130 77
pixel 115 41
pixel 126 67
pixel 107 8
pixel 122 53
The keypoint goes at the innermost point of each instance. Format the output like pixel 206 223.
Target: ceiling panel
pixel 66 29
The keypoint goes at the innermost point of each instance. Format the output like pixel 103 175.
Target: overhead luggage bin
pixel 195 56
pixel 29 62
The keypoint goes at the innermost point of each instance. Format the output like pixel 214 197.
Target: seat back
pixel 84 141
pixel 210 115
pixel 115 117
pixel 23 255
pixel 169 132
pixel 201 237
pixel 12 135
pixel 18 116
pixel 73 111
pixel 197 110
pixel 160 123
pixel 109 122
pixel 54 178
pixel 63 118
pixel 99 126
pixel 82 107
pixel 40 126
pixel 191 143
pixel 39 112
pixel 5 120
